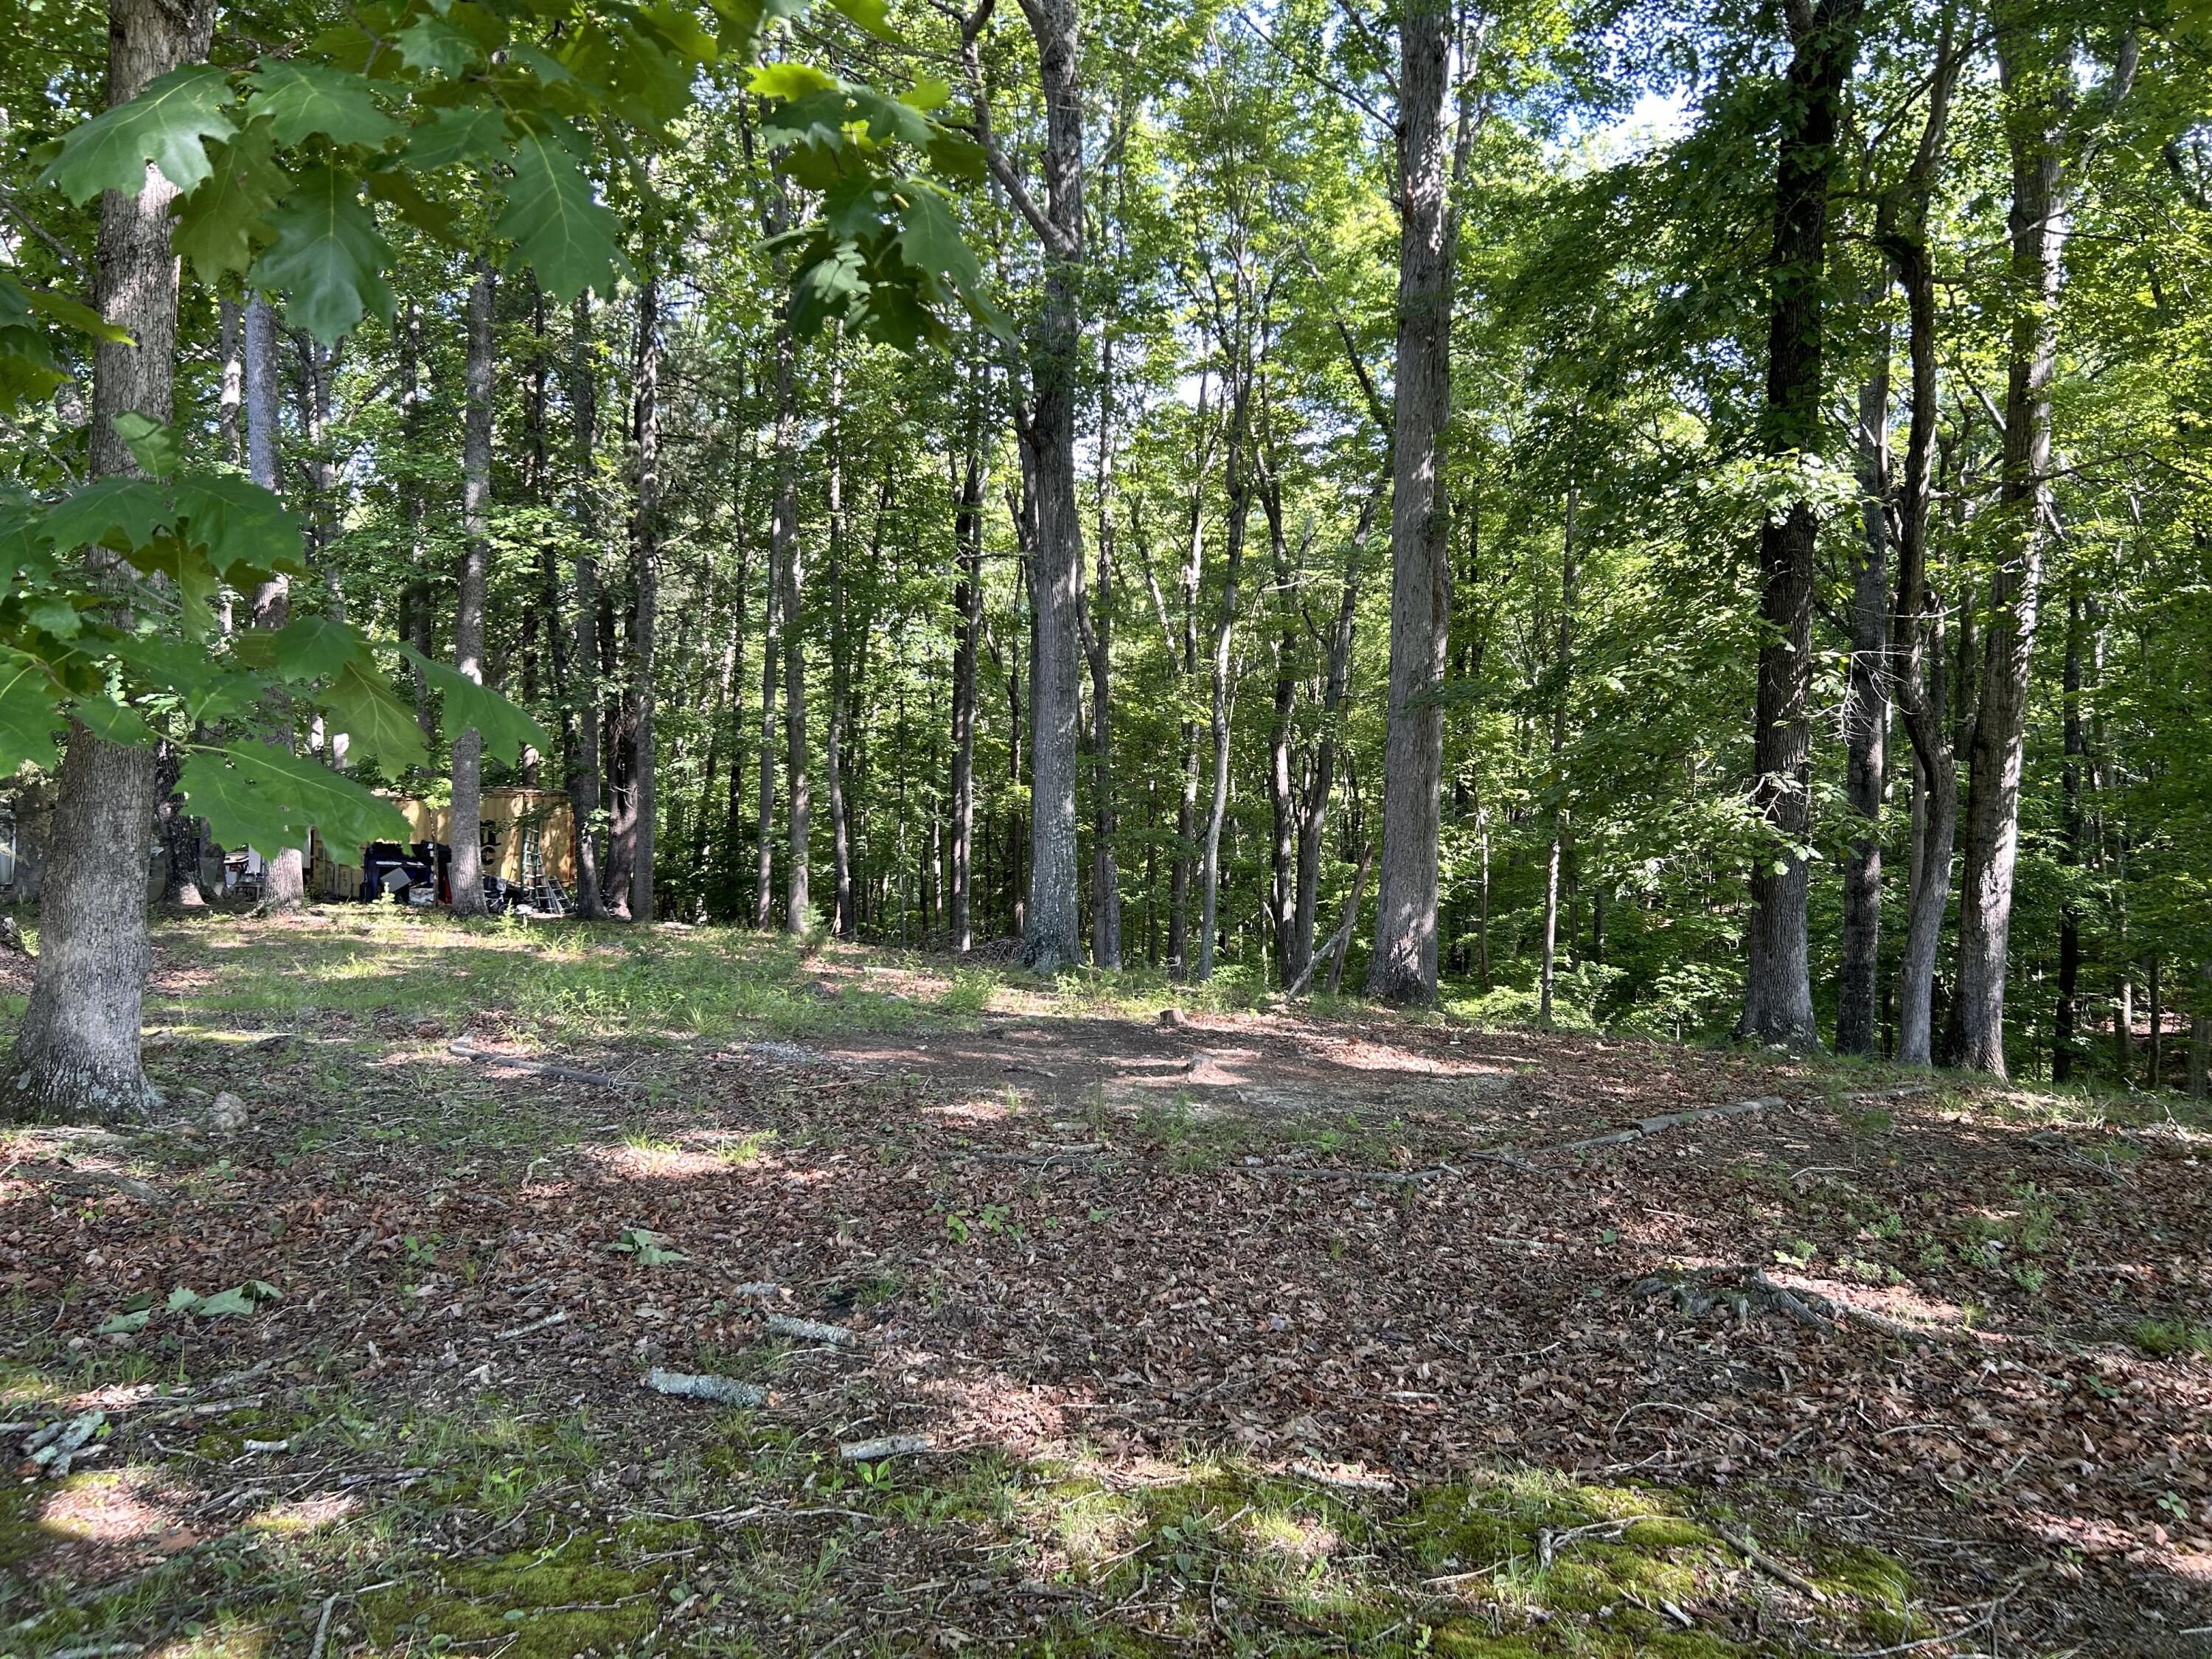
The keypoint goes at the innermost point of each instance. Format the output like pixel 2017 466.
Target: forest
pixel 1216 808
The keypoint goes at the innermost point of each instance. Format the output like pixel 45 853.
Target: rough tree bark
pixel 1778 1005
pixel 467 812
pixel 76 1052
pixel 1403 968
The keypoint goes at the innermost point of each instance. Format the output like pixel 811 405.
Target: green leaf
pixel 363 705
pixel 399 190
pixel 178 672
pixel 468 706
pixel 253 795
pixel 928 92
pixel 789 81
pixel 307 649
pixel 152 444
pixel 432 46
pixel 218 224
pixel 328 253
pixel 248 534
pixel 181 1298
pixel 74 315
pixel 872 15
pixel 185 567
pixel 467 134
pixel 117 722
pixel 28 717
pixel 930 241
pixel 124 1323
pixel 566 235
pixel 301 99
pixel 232 1301
pixel 103 508
pixel 164 125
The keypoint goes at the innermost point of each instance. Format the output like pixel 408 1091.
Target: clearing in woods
pixel 1267 1332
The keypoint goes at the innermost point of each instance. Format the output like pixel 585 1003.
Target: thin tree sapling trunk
pixel 645 599
pixel 1866 719
pixel 584 777
pixel 467 812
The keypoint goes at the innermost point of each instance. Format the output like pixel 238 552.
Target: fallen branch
pixel 1649 1126
pixel 1366 1483
pixel 66 1174
pixel 890 1445
pixel 809 1330
pixel 468 1050
pixel 722 1391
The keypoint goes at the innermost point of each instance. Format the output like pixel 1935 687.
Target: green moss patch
pixel 580 1598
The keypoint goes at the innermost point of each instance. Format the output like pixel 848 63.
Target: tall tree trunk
pixel 1547 977
pixel 645 596
pixel 797 906
pixel 968 627
pixel 1866 720
pixel 467 812
pixel 283 885
pixel 584 782
pixel 2038 79
pixel 1403 968
pixel 1917 644
pixel 842 922
pixel 1778 985
pixel 76 1051
pixel 1238 484
pixel 1052 930
pixel 783 533
pixel 1313 817
pixel 230 399
pixel 1282 790
pixel 2067 1017
pixel 1096 624
pixel 2200 1033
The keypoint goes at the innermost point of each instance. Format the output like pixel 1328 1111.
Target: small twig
pixel 559 1318
pixel 323 1627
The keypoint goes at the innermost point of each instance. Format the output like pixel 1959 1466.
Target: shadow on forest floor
pixel 1264 1331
